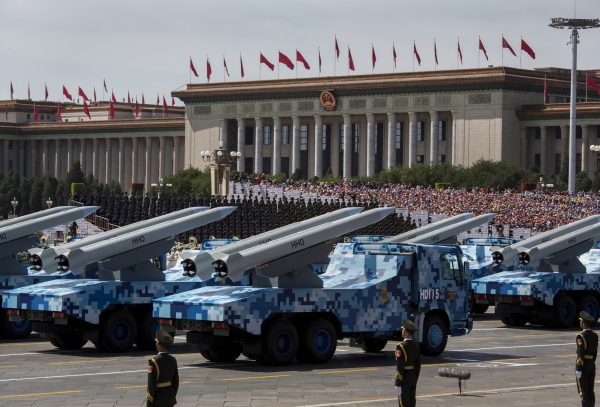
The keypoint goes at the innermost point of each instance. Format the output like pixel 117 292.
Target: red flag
pixel 137 108
pixel 36 114
pixel 435 52
pixel 460 53
pixel 591 83
pixel 546 96
pixel 320 62
pixel 505 44
pixel 12 91
pixel 143 100
pixel 45 92
pixel 300 58
pixel 128 98
pixel 67 94
pixel 208 70
pixel 337 49
pixel 165 105
pixel 350 60
pixel 86 110
pixel 482 48
pixel 241 66
pixel 525 47
pixel 104 83
pixel 265 61
pixel 157 99
pixel 83 95
pixel 192 68
pixel 172 101
pixel 112 97
pixel 111 110
pixel 283 59
pixel 373 56
pixel 225 66
pixel 394 54
pixel 94 94
pixel 416 53
pixel 58 113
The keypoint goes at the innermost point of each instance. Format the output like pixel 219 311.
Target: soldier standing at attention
pixel 408 366
pixel 585 366
pixel 163 377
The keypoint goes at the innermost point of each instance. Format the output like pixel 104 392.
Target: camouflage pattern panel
pixel 480 261
pixel 490 241
pixel 85 299
pixel 367 239
pixel 33 277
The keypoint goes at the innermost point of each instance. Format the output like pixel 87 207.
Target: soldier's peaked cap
pixel 586 317
pixel 409 325
pixel 164 337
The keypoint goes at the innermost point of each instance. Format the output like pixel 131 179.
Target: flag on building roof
pixel 86 110
pixel 435 52
pixel 592 84
pixel 94 94
pixel 337 49
pixel 460 52
pixel 320 62
pixel 157 99
pixel 137 108
pixel 83 95
pixel 111 110
pixel 350 60
pixel 241 66
pixel 104 83
pixel 394 55
pixel 225 66
pixel 128 98
pixel 112 97
pixel 45 92
pixel 283 59
pixel 264 60
pixel 58 113
pixel 12 91
pixel 482 48
pixel 143 99
pixel 525 47
pixel 208 69
pixel 300 58
pixel 165 105
pixel 67 94
pixel 416 53
pixel 373 57
pixel 172 101
pixel 193 68
pixel 506 45
pixel 36 114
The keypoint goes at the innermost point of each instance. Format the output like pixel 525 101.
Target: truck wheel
pixel 223 353
pixel 280 343
pixel 147 327
pixel 589 304
pixel 435 336
pixel 317 342
pixel 72 341
pixel 13 330
pixel 373 345
pixel 118 331
pixel 565 312
pixel 480 308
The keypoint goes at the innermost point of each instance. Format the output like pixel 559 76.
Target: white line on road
pixel 511 347
pixel 20 354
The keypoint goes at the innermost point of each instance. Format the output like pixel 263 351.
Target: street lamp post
pixel 14 204
pixel 49 203
pixel 220 164
pixel 160 185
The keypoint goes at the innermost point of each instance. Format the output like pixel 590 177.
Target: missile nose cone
pixel 88 210
pixel 488 216
pixel 383 212
pixel 353 210
pixel 226 210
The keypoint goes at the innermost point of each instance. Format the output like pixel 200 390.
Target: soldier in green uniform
pixel 585 366
pixel 163 377
pixel 408 366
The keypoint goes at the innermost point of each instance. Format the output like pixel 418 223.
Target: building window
pixel 356 138
pixel 285 134
pixel 324 137
pixel 341 138
pixel 420 158
pixel 398 137
pixel 420 131
pixel 442 158
pixel 303 137
pixel 266 135
pixel 249 135
pixel 442 130
pixel 557 133
pixel 557 163
pixel 28 115
pixel 578 132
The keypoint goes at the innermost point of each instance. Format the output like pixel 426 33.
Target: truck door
pixel 452 283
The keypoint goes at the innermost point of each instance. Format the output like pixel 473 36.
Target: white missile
pixel 234 265
pixel 559 245
pixel 510 253
pixel 412 234
pixel 46 260
pixel 35 215
pixel 201 263
pixel 447 232
pixel 76 259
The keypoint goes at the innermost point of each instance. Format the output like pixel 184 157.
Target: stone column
pixel 370 145
pixel 95 161
pixel 223 135
pixel 176 153
pixel 44 158
pixel 22 166
pixel 57 158
pixel 391 140
pixel 412 139
pixel 543 150
pixel 318 146
pixel 585 149
pixel 6 155
pixel 82 155
pixel 564 142
pixel 453 144
pixel 108 160
pixel 122 164
pixel 524 147
pixel 433 139
pixel 276 165
pixel 34 158
pixel 240 145
pixel 148 156
pixel 295 145
pixel 135 157
pixel 161 157
pixel 347 147
pixel 258 144
pixel 69 154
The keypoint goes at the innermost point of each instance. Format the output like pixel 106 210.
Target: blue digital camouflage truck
pixel 270 306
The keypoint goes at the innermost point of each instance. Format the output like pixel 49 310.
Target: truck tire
pixel 318 341
pixel 565 312
pixel 223 353
pixel 373 345
pixel 589 304
pixel 13 330
pixel 207 355
pixel 146 332
pixel 279 343
pixel 72 341
pixel 480 308
pixel 435 336
pixel 118 331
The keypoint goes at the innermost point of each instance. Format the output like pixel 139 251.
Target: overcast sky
pixel 145 45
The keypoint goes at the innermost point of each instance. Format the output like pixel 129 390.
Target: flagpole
pixel 457 56
pixel 278 63
pixel 414 45
pixel 334 55
pixel 223 67
pixel 296 63
pixel 260 69
pixel 207 64
pixel 319 61
pixel 521 53
pixel 479 53
pixel 393 52
pixel 372 64
pixel 435 50
pixel 502 49
pixel 348 64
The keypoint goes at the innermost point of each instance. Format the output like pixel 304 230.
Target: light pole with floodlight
pixel 220 163
pixel 14 204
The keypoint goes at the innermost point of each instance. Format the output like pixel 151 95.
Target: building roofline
pixel 93 126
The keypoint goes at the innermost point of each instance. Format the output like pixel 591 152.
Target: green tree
pixel 35 196
pixel 75 174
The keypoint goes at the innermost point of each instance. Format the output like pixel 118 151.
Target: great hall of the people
pixel 349 126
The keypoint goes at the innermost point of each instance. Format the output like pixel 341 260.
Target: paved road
pixel 529 366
